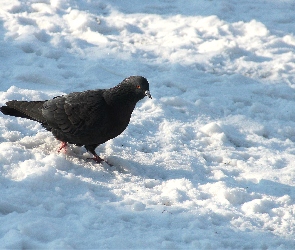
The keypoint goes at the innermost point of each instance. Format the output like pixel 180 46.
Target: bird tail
pixel 26 109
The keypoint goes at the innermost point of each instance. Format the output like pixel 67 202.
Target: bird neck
pixel 121 97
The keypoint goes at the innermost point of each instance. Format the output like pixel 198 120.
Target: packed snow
pixel 208 163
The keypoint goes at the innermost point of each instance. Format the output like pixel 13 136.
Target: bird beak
pixel 147 93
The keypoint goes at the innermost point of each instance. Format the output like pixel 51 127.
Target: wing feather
pixel 76 114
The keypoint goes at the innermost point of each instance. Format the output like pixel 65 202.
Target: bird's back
pixel 85 117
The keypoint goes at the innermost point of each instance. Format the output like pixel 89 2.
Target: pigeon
pixel 87 118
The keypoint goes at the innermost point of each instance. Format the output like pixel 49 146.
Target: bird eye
pixel 138 86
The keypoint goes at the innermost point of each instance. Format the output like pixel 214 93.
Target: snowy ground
pixel 208 163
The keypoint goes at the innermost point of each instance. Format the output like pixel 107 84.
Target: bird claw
pixel 63 145
pixel 99 160
pixel 96 158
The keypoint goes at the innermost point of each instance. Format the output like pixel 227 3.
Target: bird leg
pixel 63 145
pixel 91 149
pixel 96 158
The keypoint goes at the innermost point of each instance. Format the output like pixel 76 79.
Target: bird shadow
pixel 148 171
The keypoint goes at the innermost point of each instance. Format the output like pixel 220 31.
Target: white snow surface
pixel 208 163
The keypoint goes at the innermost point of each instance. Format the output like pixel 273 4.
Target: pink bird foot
pixel 62 146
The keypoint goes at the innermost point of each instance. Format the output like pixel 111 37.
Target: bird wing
pixel 75 114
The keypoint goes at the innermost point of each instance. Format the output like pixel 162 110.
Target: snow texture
pixel 208 163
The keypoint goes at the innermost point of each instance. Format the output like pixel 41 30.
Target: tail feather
pixel 30 110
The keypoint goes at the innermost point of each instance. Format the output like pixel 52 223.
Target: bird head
pixel 129 91
pixel 138 85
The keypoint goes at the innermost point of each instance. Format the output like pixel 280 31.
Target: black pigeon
pixel 87 118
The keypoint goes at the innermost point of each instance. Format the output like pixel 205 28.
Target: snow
pixel 208 163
